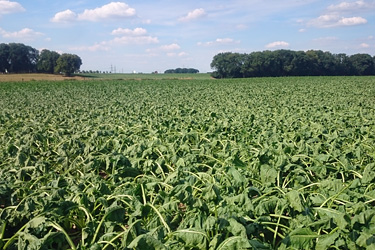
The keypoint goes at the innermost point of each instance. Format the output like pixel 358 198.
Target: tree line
pixel 181 71
pixel 21 58
pixel 291 63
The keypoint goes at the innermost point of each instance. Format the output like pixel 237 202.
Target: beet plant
pixel 263 163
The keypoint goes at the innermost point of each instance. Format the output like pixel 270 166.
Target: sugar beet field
pixel 263 163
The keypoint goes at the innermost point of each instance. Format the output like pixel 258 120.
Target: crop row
pixel 270 163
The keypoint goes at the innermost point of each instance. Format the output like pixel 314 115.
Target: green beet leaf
pixel 146 241
pixel 294 200
pixel 234 243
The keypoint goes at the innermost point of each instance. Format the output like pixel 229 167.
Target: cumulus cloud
pixel 181 54
pixel 326 39
pixel 108 11
pixel 351 6
pixel 93 48
pixel 277 44
pixel 351 21
pixel 129 36
pixel 25 34
pixel 195 14
pixel 113 10
pixel 134 40
pixel 129 32
pixel 364 45
pixel 334 20
pixel 137 36
pixel 218 41
pixel 173 46
pixel 165 48
pixel 64 16
pixel 8 7
pixel 170 50
pixel 336 15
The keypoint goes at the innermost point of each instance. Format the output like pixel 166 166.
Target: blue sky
pixel 155 35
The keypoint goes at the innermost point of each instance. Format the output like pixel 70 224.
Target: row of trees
pixel 20 58
pixel 291 63
pixel 181 70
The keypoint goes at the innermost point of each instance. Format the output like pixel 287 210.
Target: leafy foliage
pixel 272 163
pixel 68 64
pixel 291 63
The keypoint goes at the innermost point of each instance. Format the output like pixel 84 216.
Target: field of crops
pixel 267 163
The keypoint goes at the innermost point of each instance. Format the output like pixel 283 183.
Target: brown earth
pixel 36 77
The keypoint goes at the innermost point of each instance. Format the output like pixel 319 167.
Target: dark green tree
pixel 68 64
pixel 301 64
pixel 362 64
pixel 47 61
pixel 343 66
pixel 290 63
pixel 22 58
pixel 285 58
pixel 228 64
pixel 4 57
pixel 181 70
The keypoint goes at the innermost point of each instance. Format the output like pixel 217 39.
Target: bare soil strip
pixel 35 77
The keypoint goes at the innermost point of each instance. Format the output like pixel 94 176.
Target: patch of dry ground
pixel 35 77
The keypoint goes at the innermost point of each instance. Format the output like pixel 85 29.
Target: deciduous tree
pixel 47 61
pixel 22 58
pixel 290 63
pixel 4 57
pixel 68 64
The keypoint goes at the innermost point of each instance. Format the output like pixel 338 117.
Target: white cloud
pixel 326 39
pixel 336 14
pixel 278 44
pixel 108 11
pixel 173 54
pixel 170 50
pixel 351 21
pixel 138 36
pixel 182 54
pixel 137 40
pixel 24 34
pixel 195 14
pixel 218 41
pixel 113 10
pixel 64 16
pixel 129 32
pixel 364 45
pixel 95 47
pixel 128 36
pixel 351 6
pixel 334 20
pixel 8 7
pixel 173 46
